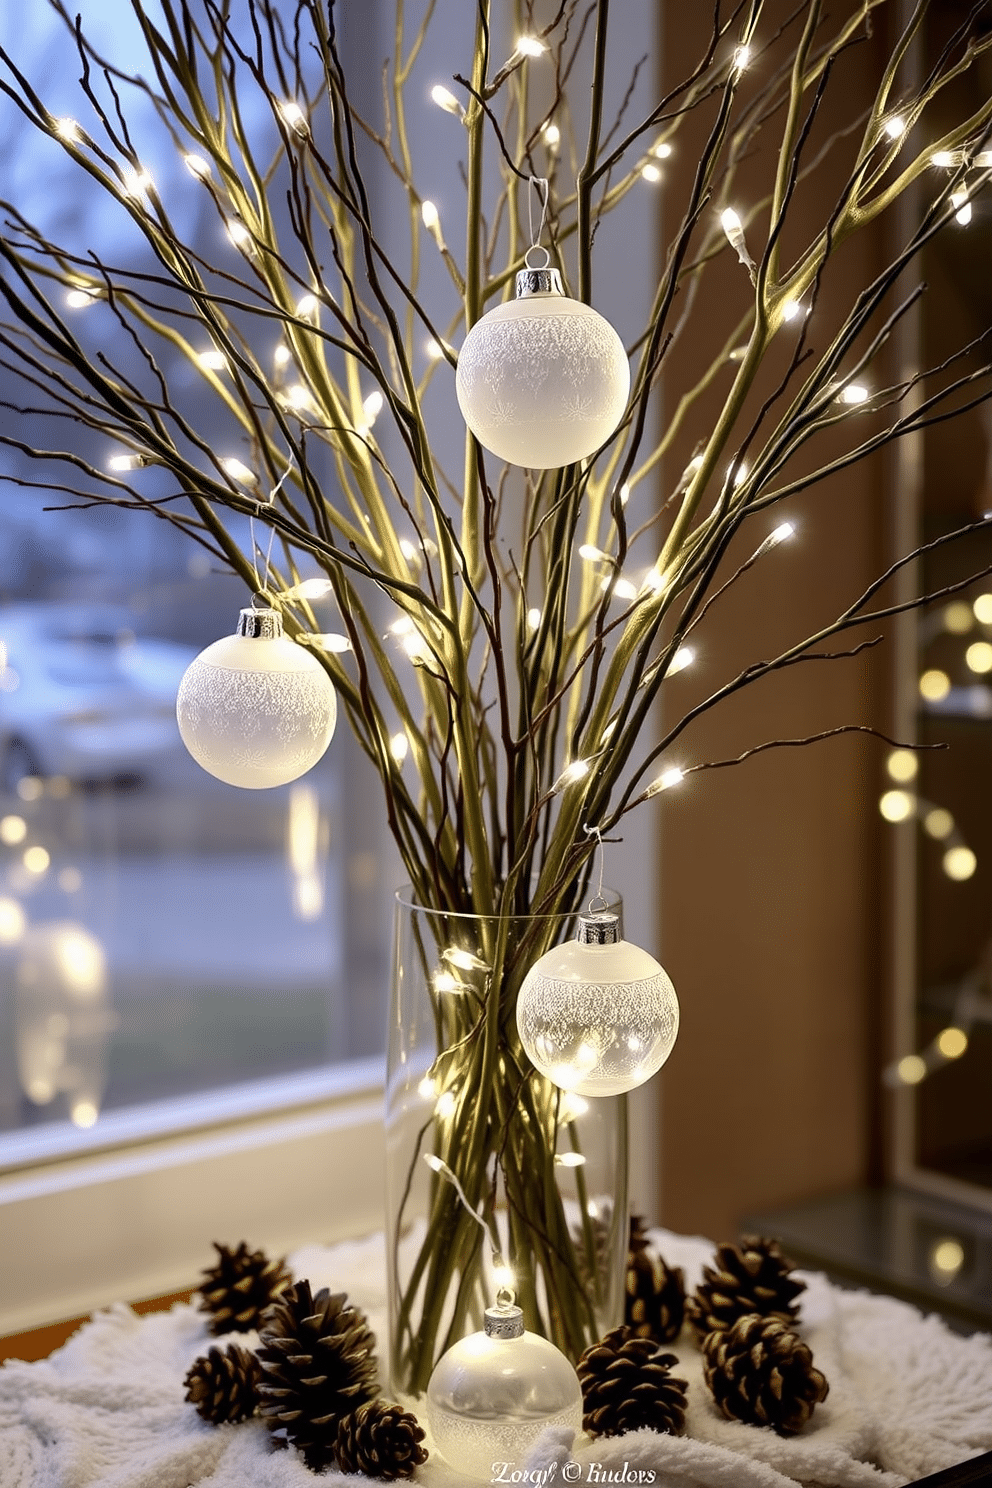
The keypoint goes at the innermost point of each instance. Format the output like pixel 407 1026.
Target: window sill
pixel 132 1209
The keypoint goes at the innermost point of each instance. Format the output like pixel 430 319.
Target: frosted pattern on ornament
pixel 598 1038
pixel 473 1446
pixel 542 387
pixel 255 729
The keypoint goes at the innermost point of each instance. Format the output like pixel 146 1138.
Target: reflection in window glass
pixel 160 932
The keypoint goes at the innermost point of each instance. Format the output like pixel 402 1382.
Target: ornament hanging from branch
pixel 542 379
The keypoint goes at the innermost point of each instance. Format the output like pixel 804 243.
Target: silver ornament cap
pixel 546 281
pixel 260 624
pixel 505 1320
pixel 599 929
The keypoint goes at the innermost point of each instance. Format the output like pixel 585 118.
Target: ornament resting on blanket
pixel 761 1372
pixel 752 1277
pixel 238 1289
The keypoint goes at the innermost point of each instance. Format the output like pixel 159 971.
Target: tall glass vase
pixel 494 1175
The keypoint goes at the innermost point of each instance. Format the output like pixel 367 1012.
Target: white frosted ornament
pixel 597 1015
pixel 255 709
pixel 542 380
pixel 493 1393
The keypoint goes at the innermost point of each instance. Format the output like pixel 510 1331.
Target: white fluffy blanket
pixel 907 1398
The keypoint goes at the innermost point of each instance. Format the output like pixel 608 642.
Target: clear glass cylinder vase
pixel 472 1126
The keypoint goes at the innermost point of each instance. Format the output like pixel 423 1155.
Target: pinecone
pixel 223 1385
pixel 238 1289
pixel 380 1440
pixel 318 1364
pixel 626 1384
pixel 750 1277
pixel 655 1303
pixel 761 1372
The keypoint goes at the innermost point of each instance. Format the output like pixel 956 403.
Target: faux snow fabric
pixel 907 1398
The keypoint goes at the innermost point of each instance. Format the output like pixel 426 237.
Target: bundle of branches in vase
pixel 278 382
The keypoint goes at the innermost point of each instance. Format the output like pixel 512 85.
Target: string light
pixel 983 159
pixel 282 355
pixel 137 183
pixel 120 463
pixel 622 588
pixel 895 127
pixel 429 215
pixel 306 306
pixel 238 471
pixel 934 685
pixel 959 863
pixel 571 775
pixel 197 166
pixel 372 407
pixel 780 534
pixel 958 618
pixel 552 136
pixel 294 117
pixel 650 172
pixel 902 765
pixel 212 361
pixel 570 1159
pixel 530 46
pixel 533 619
pixel 952 1042
pixel 444 981
pixel 959 200
pixel 445 99
pixel 463 959
pixel 947 159
pixel 897 805
pixel 978 657
pixel 315 588
pixel 298 397
pixel 733 230
pixel 911 1069
pixel 434 350
pixel 625 493
pixel 81 296
pixel 946 1259
pixel 68 131
pixel 854 393
pixel 740 59
pixel 331 641
pixel 592 554
pixel 399 747
pixel 36 860
pixel 982 608
pixel 683 658
pixel 667 780
pixel 938 823
pixel 239 235
pixel 446 1104
pixel 661 150
pixel 13 829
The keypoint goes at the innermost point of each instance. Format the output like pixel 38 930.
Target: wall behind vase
pixel 771 906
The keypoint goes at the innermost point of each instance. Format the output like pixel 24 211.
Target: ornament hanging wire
pixel 599 901
pixel 542 186
pixel 269 502
pixel 505 1296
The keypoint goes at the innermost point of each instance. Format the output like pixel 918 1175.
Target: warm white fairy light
pixel 282 355
pixel 408 549
pixel 445 982
pixel 947 159
pixel 399 747
pixel 895 127
pixel 293 116
pixel 415 646
pixel 445 99
pixel 372 406
pixel 331 640
pixel 684 657
pixel 298 397
pixel 897 805
pixel 958 617
pixel 938 823
pixel 741 58
pixel 137 183
pixel 197 166
pixel 962 214
pixel 591 554
pixel 212 361
pixel 80 297
pixel 854 393
pixel 934 685
pixel 625 493
pixel 622 588
pixel 401 627
pixel 530 46
pixel 463 959
pixel 650 172
pixel 911 1069
pixel 902 765
pixel 13 829
pixel 306 306
pixel 983 159
pixel 446 1104
pixel 959 863
pixel 740 474
pixel 120 463
pixel 36 859
pixel 504 1276
pixel 315 588
pixel 667 780
pixel 661 150
pixel 238 234
pixel 434 350
pixel 552 136
pixel 952 1042
pixel 533 618
pixel 570 1159
pixel 238 471
pixel 68 130
pixel 946 1259
pixel 571 775
pixel 978 657
pixel 779 534
pixel 982 609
